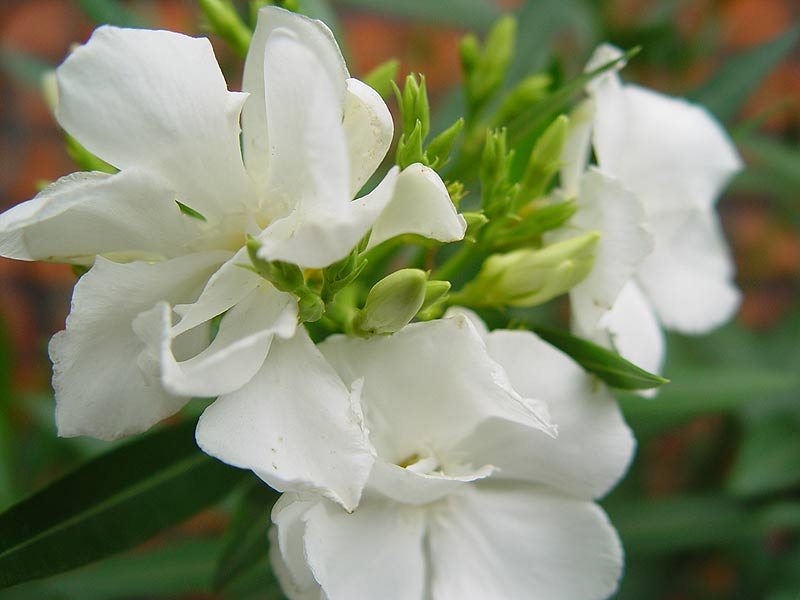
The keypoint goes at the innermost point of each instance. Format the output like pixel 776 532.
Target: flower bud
pixel 392 303
pixel 409 148
pixel 439 149
pixel 530 277
pixel 381 77
pixel 523 96
pixel 544 161
pixel 284 276
pixel 434 291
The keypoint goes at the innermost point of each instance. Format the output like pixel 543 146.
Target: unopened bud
pixel 284 276
pixel 409 148
pixel 523 96
pixel 545 160
pixel 440 147
pixel 381 77
pixel 434 292
pixel 392 303
pixel 530 277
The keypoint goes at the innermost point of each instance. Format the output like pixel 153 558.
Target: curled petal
pixel 100 390
pixel 420 204
pixel 127 216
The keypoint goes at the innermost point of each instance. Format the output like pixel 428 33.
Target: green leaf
pixel 697 391
pixel 607 365
pixel 245 543
pixel 112 503
pixel 166 571
pixel 7 449
pixel 726 92
pixel 470 14
pixel 769 458
pixel 778 160
pixel 664 525
pixel 110 12
pixel 24 68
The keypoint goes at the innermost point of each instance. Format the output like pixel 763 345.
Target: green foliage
pixel 245 542
pixel 769 458
pixel 110 504
pixel 609 366
pixel 110 12
pixel 381 77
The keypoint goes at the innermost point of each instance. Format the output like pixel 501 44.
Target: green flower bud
pixel 409 149
pixel 434 292
pixel 485 68
pixel 392 303
pixel 532 224
pixel 381 77
pixel 530 277
pixel 475 222
pixel 414 106
pixel 544 161
pixel 284 276
pixel 227 24
pixel 310 307
pixel 525 94
pixel 437 152
pixel 494 173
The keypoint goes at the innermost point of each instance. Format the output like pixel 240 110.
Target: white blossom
pixel 661 164
pixel 154 104
pixel 471 495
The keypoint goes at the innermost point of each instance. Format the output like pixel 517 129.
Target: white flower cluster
pixel 443 461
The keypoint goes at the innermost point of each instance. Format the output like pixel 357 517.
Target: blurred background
pixel 711 507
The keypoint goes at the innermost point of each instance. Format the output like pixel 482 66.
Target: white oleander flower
pixel 470 496
pixel 154 104
pixel 662 258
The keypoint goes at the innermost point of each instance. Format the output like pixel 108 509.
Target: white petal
pixel 286 549
pixel 669 152
pixel 316 35
pixel 320 239
pixel 594 445
pixel 236 353
pixel 633 331
pixel 369 128
pixel 420 205
pixel 376 552
pixel 294 424
pixel 689 276
pixel 522 542
pixel 128 216
pixel 229 285
pixel 428 386
pixel 604 205
pixel 409 487
pixel 308 164
pixel 157 100
pixel 100 391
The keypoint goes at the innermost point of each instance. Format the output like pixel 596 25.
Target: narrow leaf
pixel 607 365
pixel 112 503
pixel 769 458
pixel 110 12
pixel 726 92
pixel 245 543
pixel 665 525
